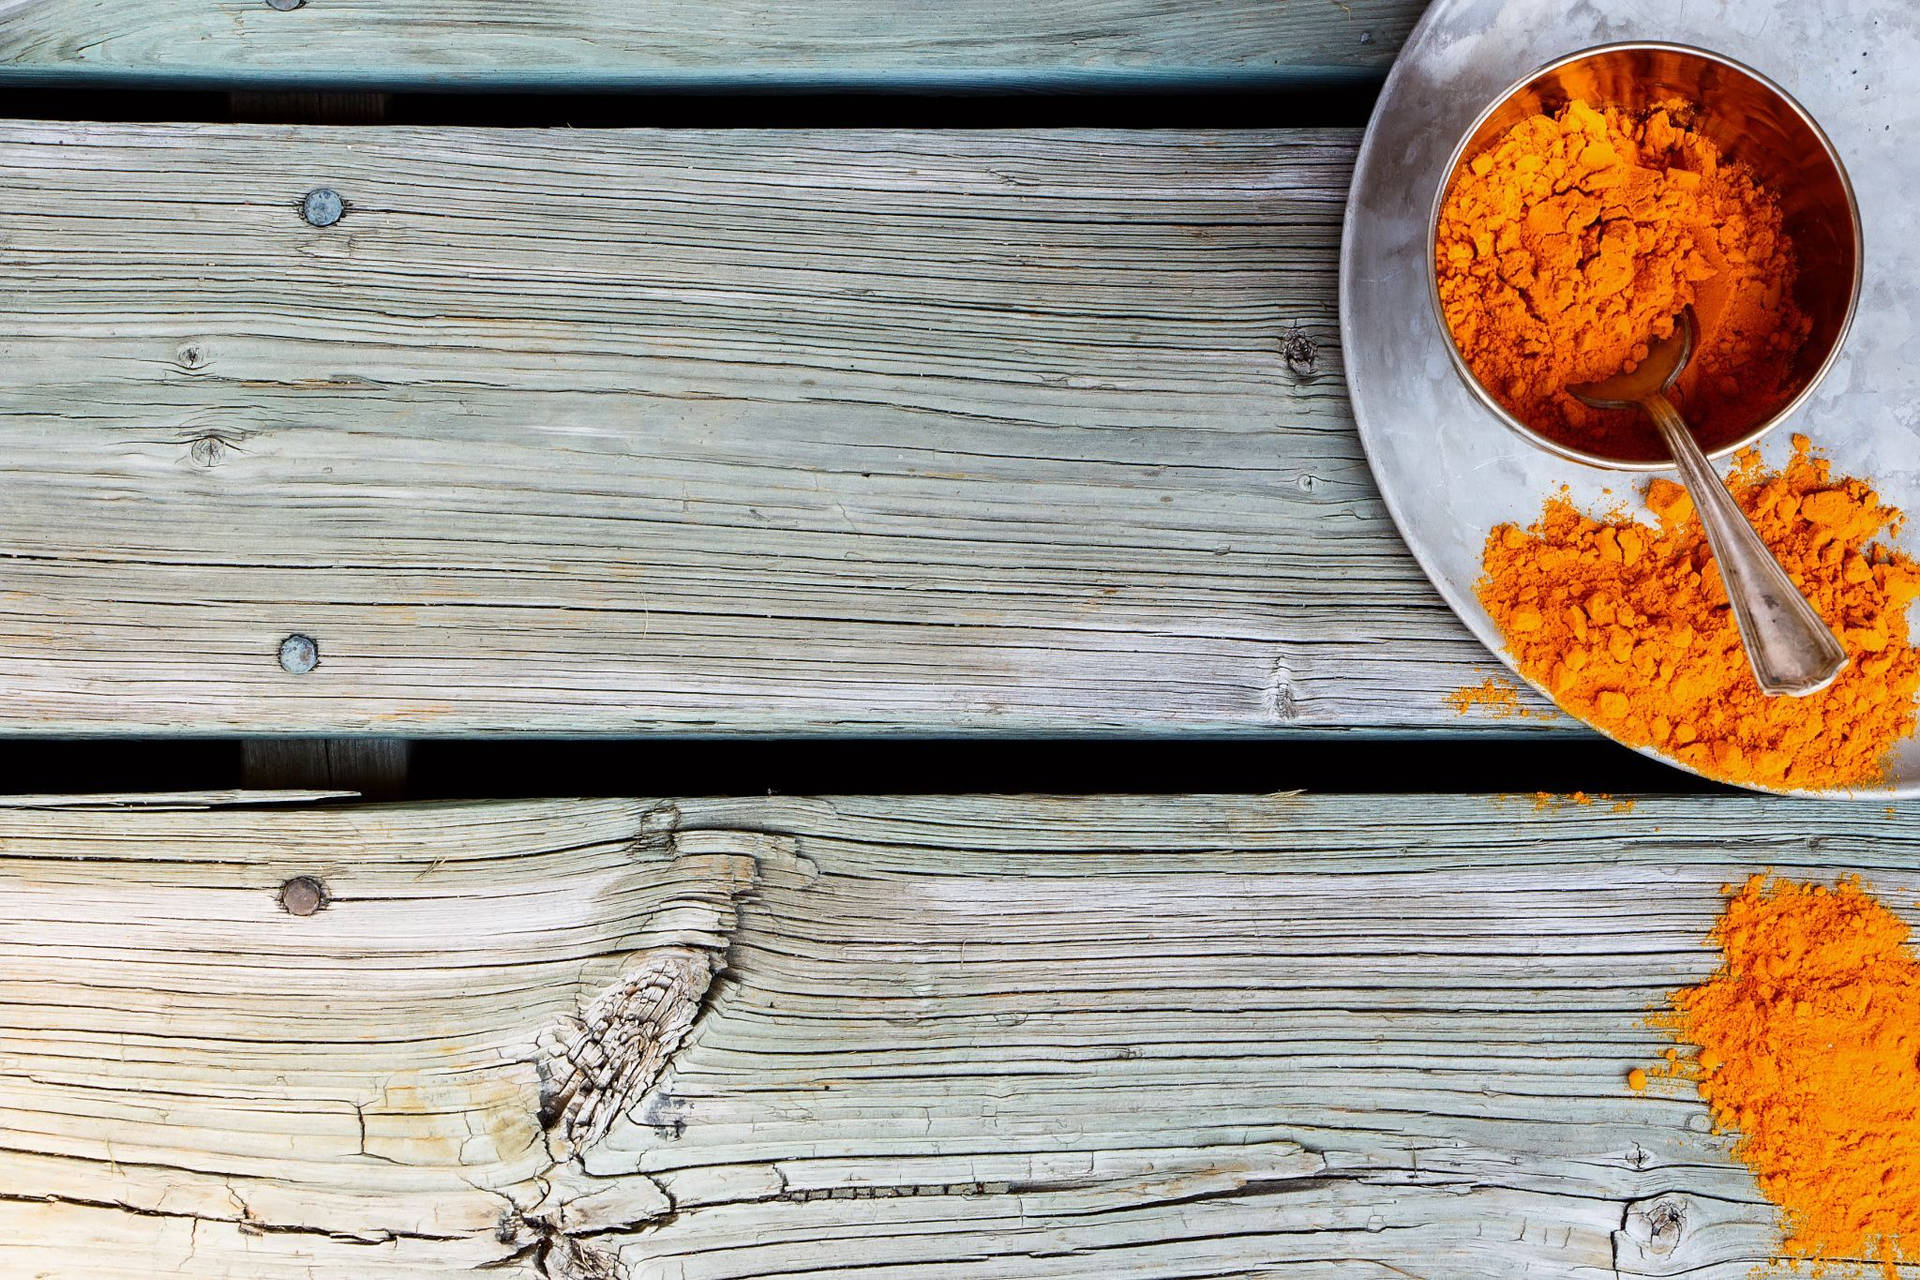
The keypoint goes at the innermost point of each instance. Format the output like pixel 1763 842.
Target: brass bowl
pixel 1754 122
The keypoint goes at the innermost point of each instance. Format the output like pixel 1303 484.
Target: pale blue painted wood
pixel 615 45
pixel 742 431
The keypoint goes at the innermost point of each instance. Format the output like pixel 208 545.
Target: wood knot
pixel 1280 698
pixel 207 452
pixel 1657 1226
pixel 1302 355
pixel 616 1049
pixel 657 827
pixel 561 1257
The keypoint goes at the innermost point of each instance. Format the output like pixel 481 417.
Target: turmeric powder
pixel 1809 1047
pixel 1627 626
pixel 1496 697
pixel 1578 236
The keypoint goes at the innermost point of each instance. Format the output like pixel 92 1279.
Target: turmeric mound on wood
pixel 1627 626
pixel 1809 1048
pixel 1577 236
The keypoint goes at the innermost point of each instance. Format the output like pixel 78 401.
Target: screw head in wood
pixel 285 6
pixel 302 896
pixel 322 207
pixel 299 654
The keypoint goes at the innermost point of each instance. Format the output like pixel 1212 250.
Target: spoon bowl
pixel 1665 361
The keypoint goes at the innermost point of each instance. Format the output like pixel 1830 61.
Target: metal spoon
pixel 1790 649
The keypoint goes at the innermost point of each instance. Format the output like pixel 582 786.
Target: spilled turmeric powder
pixel 1493 696
pixel 1577 236
pixel 1627 626
pixel 1544 801
pixel 1809 1047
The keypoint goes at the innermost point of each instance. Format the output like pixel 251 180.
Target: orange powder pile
pixel 1627 626
pixel 1809 1048
pixel 1577 236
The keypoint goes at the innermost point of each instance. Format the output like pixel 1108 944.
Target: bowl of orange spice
pixel 1595 200
pixel 1581 216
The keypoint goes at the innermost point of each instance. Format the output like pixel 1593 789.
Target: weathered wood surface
pixel 923 1038
pixel 616 45
pixel 585 432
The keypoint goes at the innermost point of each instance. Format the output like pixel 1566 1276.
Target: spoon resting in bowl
pixel 1791 650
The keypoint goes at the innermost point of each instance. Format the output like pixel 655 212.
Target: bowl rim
pixel 1452 169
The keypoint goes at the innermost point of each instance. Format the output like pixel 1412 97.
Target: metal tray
pixel 1447 469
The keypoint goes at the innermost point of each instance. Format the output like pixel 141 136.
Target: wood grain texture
pixel 1120 1038
pixel 1114 45
pixel 601 432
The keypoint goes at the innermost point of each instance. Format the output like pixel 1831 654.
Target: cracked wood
pixel 1119 1038
pixel 608 431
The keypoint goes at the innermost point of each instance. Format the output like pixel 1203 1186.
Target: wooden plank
pixel 570 432
pixel 570 45
pixel 1117 1037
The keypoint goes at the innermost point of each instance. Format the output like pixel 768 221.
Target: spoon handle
pixel 1791 650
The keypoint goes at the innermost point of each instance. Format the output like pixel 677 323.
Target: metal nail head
pixel 285 6
pixel 322 207
pixel 299 654
pixel 303 895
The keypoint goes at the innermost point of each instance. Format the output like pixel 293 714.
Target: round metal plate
pixel 1447 468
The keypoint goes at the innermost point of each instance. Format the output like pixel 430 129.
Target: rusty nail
pixel 285 6
pixel 322 207
pixel 299 654
pixel 302 896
